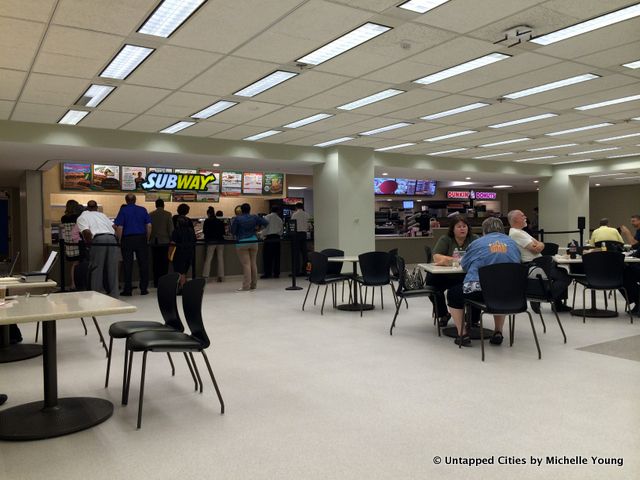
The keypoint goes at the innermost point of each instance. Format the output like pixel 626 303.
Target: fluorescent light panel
pixel 95 94
pixel 604 175
pixel 333 142
pixel 632 65
pixel 422 6
pixel 552 86
pixel 625 155
pixel 259 136
pixel 552 147
pixel 270 81
pixel 345 43
pixel 615 101
pixel 515 140
pixel 126 61
pixel 169 16
pixel 524 120
pixel 589 25
pixel 502 186
pixel 447 151
pixel 535 158
pixel 214 109
pixel 573 161
pixel 627 178
pixel 493 155
pixel 72 117
pixel 450 135
pixel 462 68
pixel 308 120
pixel 595 151
pixel 386 129
pixel 393 147
pixel 619 137
pixel 376 97
pixel 176 127
pixel 454 111
pixel 579 129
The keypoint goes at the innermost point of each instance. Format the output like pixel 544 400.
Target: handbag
pixel 413 280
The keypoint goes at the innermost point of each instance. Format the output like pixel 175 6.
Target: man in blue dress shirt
pixel 133 228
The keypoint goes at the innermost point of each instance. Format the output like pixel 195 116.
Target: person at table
pixel 492 248
pixel 213 230
pixel 632 270
pixel 244 228
pixel 605 233
pixel 459 237
pixel 630 238
pixel 530 249
pixel 183 242
pixel 161 229
pixel 133 228
pixel 96 227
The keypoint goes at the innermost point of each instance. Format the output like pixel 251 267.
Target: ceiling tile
pixel 115 16
pixel 133 99
pixel 282 117
pixel 205 129
pixel 302 87
pixel 371 5
pixel 239 132
pixel 341 120
pixel 149 123
pixel 613 57
pixel 5 109
pixel 401 102
pixel 36 10
pixel 628 87
pixel 246 112
pixel 32 112
pixel 53 89
pixel 287 136
pixel 342 94
pixel 19 40
pixel 103 119
pixel 586 9
pixel 11 82
pixel 181 104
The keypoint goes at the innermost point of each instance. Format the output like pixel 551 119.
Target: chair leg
pixel 512 329
pixel 553 308
pixel 535 336
pixel 615 302
pixel 37 330
pixel 315 299
pixel 436 321
pixel 606 303
pixel 125 392
pixel 324 297
pixel 305 297
pixel 544 326
pixel 95 322
pixel 584 305
pixel 213 379
pixel 373 294
pixel 393 324
pixel 124 373
pixel 362 301
pixel 381 299
pixel 173 367
pixel 144 367
pixel 195 367
pixel 193 375
pixel 575 286
pixel 106 380
pixel 342 291
pixel 627 307
pixel 482 335
pixel 84 325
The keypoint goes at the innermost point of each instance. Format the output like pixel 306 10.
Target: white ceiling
pixel 52 50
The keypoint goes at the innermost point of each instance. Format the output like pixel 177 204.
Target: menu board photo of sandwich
pixel 106 177
pixel 252 183
pixel 273 183
pixel 231 183
pixel 76 176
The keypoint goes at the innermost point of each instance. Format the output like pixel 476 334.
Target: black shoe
pixel 496 338
pixel 466 341
pixel 144 292
pixel 443 321
pixel 3 398
pixel 535 306
pixel 125 294
pixel 561 307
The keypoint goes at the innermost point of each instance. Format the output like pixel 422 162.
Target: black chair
pixel 504 292
pixel 539 289
pixel 335 270
pixel 550 249
pixel 604 271
pixel 174 341
pixel 611 246
pixel 394 272
pixel 319 276
pixel 428 254
pixel 375 273
pixel 401 292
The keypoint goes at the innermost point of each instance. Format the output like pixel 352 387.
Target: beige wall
pixel 525 201
pixel 615 203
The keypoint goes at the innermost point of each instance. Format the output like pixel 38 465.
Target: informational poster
pixel 213 187
pixel 106 177
pixel 153 196
pixel 184 197
pixel 273 183
pixel 207 197
pixel 252 183
pixel 160 169
pixel 231 183
pixel 76 176
pixel 133 178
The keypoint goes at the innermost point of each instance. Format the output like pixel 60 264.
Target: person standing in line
pixel 96 227
pixel 183 243
pixel 271 246
pixel 133 228
pixel 213 230
pixel 161 229
pixel 71 236
pixel 302 227
pixel 244 228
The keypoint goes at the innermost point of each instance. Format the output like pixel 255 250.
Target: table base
pixel 31 422
pixel 355 307
pixel 17 352
pixel 474 334
pixel 593 313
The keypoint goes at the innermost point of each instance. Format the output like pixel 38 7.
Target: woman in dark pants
pixel 183 242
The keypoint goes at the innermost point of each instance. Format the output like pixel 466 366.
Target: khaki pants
pixel 248 255
pixel 218 250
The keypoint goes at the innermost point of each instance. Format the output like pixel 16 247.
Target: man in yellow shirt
pixel 605 233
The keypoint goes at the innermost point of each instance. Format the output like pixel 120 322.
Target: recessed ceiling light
pixel 176 127
pixel 615 101
pixel 467 178
pixel 393 147
pixel 447 151
pixel 126 61
pixel 72 117
pixel 597 184
pixel 551 86
pixel 216 164
pixel 493 155
pixel 632 65
pixel 259 136
pixel 169 16
pixel 524 120
pixel 419 201
pixel 502 186
pixel 450 135
pixel 385 174
pixel 589 25
pixel 535 158
pixel 625 155
pixel 460 184
pixel 421 6
pixel 462 68
pixel 537 189
pixel 385 129
pixel 579 129
pixel 346 42
pixel 296 188
pixel 388 199
pixel 376 97
pixel 515 140
pixel 333 142
pixel 573 161
pixel 94 95
pixel 213 109
pixel 595 151
pixel 270 81
pixel 536 181
pixel 308 120
pixel 552 147
pixel 454 111
pixel 619 137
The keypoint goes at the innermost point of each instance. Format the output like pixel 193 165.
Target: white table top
pixel 565 260
pixel 61 306
pixel 439 269
pixel 16 284
pixel 344 259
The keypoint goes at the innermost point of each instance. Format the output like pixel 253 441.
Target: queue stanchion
pixel 290 230
pixel 62 266
pixel 541 234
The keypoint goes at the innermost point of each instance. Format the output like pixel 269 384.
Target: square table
pixel 56 416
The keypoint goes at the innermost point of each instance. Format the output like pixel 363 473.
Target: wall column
pixel 31 221
pixel 343 193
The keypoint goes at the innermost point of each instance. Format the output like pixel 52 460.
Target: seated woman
pixel 459 236
pixel 493 247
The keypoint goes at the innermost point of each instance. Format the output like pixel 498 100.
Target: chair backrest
pixel 82 275
pixel 611 245
pixel 428 254
pixel 334 268
pixel 504 287
pixel 192 293
pixel 393 264
pixel 402 273
pixel 319 267
pixel 604 270
pixel 375 267
pixel 168 301
pixel 550 249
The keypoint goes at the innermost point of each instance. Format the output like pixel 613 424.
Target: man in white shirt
pixel 271 247
pixel 97 229
pixel 302 227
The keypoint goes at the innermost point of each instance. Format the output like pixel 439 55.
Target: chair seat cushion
pixel 126 328
pixel 162 341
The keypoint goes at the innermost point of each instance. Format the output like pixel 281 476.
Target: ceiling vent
pixel 516 35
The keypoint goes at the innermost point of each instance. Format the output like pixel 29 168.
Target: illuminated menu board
pixel 232 183
pixel 252 183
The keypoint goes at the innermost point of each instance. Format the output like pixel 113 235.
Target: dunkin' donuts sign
pixel 178 181
pixel 470 195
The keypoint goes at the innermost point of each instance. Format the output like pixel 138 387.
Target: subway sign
pixel 178 181
pixel 470 195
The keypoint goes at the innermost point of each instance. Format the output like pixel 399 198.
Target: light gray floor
pixel 335 397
